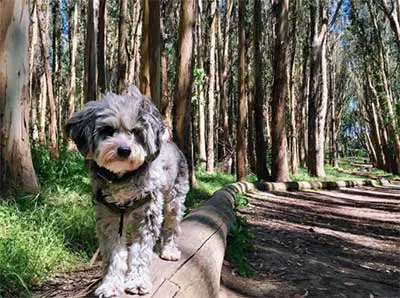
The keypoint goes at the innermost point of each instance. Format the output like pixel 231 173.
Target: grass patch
pixel 240 201
pixel 49 232
pixel 239 246
pixel 207 184
pixel 332 174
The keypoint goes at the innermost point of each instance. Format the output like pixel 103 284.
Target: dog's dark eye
pixel 135 131
pixel 107 131
pixel 138 133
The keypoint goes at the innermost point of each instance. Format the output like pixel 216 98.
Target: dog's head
pixel 119 133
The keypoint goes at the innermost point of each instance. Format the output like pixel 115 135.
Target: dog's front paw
pixel 138 285
pixel 170 253
pixel 109 289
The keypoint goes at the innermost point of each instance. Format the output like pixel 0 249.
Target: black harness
pixel 121 209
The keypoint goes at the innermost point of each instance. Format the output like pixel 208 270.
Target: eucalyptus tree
pixel 16 169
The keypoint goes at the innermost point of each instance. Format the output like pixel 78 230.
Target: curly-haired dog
pixel 139 178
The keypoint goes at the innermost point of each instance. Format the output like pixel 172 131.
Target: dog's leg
pixel 138 279
pixel 114 253
pixel 173 211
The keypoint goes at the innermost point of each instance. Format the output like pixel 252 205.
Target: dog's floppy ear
pixel 80 128
pixel 156 131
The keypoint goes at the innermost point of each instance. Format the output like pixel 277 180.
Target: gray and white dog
pixel 140 181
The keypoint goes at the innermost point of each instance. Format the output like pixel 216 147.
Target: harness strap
pixel 99 197
pixel 121 222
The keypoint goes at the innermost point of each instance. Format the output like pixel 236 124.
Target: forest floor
pixel 342 243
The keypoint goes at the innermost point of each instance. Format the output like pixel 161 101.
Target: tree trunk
pixel 16 169
pixel 72 90
pixel 393 15
pixel 211 88
pixel 224 41
pixel 184 74
pixel 317 99
pixel 34 79
pixel 90 80
pixel 154 52
pixel 302 119
pixel 292 94
pixel 242 110
pixel 42 110
pixel 102 42
pixel 280 171
pixel 53 145
pixel 200 92
pixel 135 40
pixel 144 51
pixel 166 103
pixel 122 58
pixel 261 146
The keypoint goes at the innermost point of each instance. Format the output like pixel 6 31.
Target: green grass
pixel 336 174
pixel 239 246
pixel 332 174
pixel 207 184
pixel 48 232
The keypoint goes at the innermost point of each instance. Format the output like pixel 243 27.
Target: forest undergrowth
pixel 52 232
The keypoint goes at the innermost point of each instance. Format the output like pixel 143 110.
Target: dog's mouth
pixel 119 163
pixel 122 166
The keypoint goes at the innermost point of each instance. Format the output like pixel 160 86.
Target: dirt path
pixel 343 243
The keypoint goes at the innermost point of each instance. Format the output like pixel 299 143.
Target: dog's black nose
pixel 124 151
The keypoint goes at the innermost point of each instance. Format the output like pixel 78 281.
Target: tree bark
pixel 261 146
pixel 241 169
pixel 211 89
pixel 183 89
pixel 154 52
pixel 224 41
pixel 102 42
pixel 135 41
pixel 122 57
pixel 292 94
pixel 72 90
pixel 16 169
pixel 200 92
pixel 90 80
pixel 144 51
pixel 280 171
pixel 53 144
pixel 392 14
pixel 317 99
pixel 166 102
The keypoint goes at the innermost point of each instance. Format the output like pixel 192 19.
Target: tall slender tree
pixel 102 41
pixel 211 88
pixel 155 52
pixel 317 102
pixel 122 34
pixel 280 170
pixel 90 80
pixel 16 169
pixel 144 75
pixel 241 126
pixel 53 141
pixel 261 146
pixel 183 89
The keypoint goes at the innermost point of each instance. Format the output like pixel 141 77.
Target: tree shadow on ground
pixel 322 245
